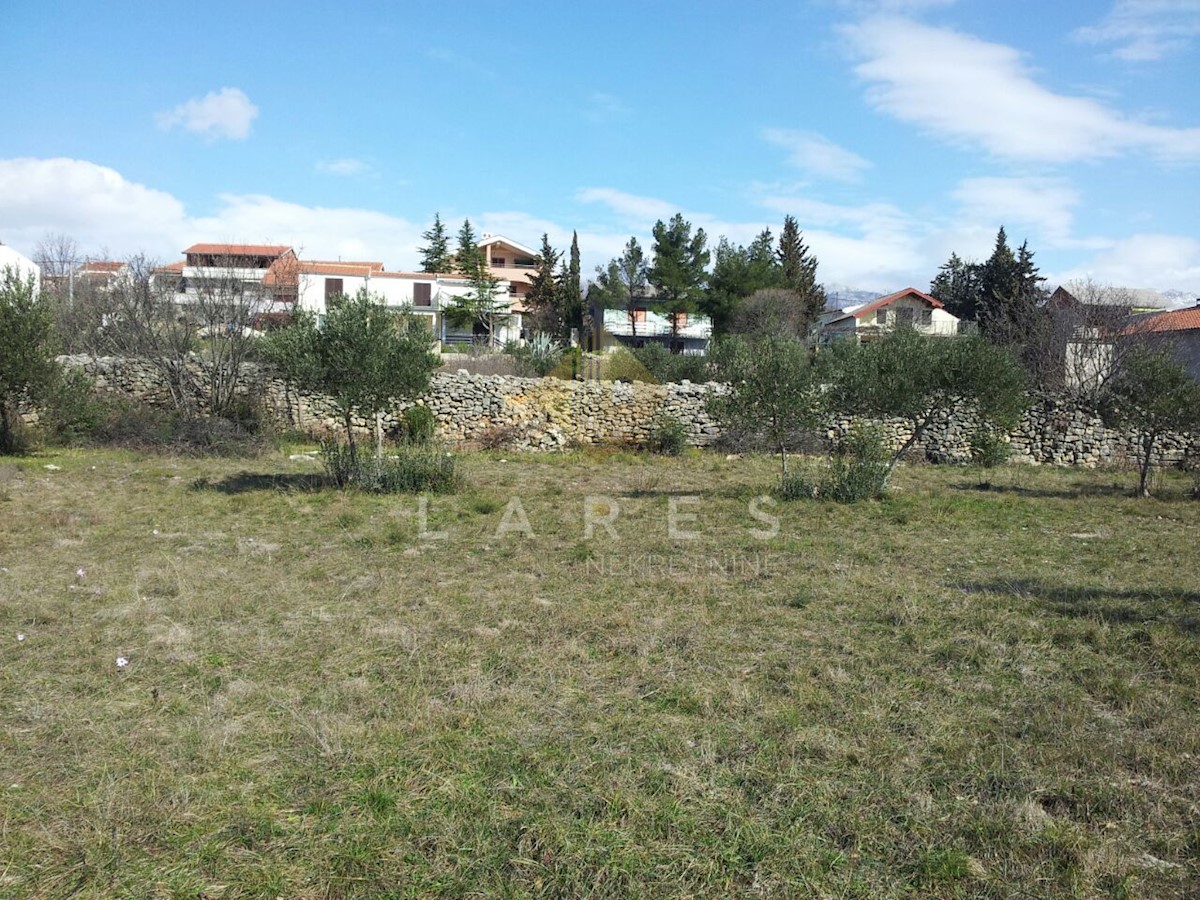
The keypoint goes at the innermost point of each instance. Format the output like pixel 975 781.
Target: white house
pixel 426 294
pixel 909 307
pixel 645 325
pixel 21 264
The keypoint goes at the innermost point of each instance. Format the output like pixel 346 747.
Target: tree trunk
pixel 918 430
pixel 1144 473
pixel 350 440
pixel 379 435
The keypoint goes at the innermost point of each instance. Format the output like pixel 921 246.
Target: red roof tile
pixel 239 249
pixel 875 305
pixel 1175 320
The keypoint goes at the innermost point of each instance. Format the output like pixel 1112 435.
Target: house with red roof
pixel 908 308
pixel 1177 331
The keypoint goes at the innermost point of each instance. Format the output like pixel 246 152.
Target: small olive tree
pixel 1152 394
pixel 773 389
pixel 364 357
pixel 919 377
pixel 27 367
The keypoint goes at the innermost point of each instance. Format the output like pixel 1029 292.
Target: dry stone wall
pixel 549 414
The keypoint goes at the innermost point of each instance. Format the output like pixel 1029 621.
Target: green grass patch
pixel 628 682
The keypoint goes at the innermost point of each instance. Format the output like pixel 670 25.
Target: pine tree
pixel 678 270
pixel 799 271
pixel 435 255
pixel 544 299
pixel 957 285
pixel 481 306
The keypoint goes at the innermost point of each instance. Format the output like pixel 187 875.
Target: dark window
pixel 927 317
pixel 333 288
pixel 422 295
pixel 498 262
pixel 881 317
pixel 525 262
pixel 904 316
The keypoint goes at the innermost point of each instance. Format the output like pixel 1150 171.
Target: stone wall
pixel 548 414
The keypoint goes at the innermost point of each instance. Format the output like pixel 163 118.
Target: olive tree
pixel 27 368
pixel 773 389
pixel 363 357
pixel 920 377
pixel 1152 394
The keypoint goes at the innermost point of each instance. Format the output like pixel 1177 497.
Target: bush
pixel 859 467
pixel 407 469
pixel 418 424
pixel 667 437
pixel 537 357
pixel 120 422
pixel 72 410
pixel 857 470
pixel 989 449
pixel 671 367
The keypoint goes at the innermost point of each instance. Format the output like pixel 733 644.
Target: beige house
pixel 511 262
pixel 907 308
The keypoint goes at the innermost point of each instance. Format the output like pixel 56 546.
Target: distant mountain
pixel 1176 299
pixel 841 296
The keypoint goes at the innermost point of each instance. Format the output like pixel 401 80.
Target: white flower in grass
pixel 20 637
pixel 80 572
pixel 122 662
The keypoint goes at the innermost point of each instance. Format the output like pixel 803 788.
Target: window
pixel 333 288
pixel 881 317
pixel 680 319
pixel 927 317
pixel 422 295
pixel 904 316
pixel 639 315
pixel 498 262
pixel 525 262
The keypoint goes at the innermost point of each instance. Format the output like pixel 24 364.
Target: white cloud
pixel 1145 30
pixel 635 211
pixel 227 113
pixel 345 168
pixel 976 93
pixel 100 209
pixel 1161 261
pixel 1040 207
pixel 817 155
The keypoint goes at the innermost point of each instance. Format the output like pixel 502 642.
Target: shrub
pixel 989 449
pixel 408 469
pixel 668 436
pixel 72 411
pixel 859 467
pixel 418 424
pixel 537 357
pixel 799 486
pixel 671 367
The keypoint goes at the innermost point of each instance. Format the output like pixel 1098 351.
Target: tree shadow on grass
pixel 248 482
pixel 1076 491
pixel 1109 605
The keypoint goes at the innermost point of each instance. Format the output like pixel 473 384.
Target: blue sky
pixel 895 132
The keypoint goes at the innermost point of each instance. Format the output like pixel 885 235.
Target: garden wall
pixel 548 414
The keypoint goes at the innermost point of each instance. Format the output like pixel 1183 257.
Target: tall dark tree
pixel 435 255
pixel 799 271
pixel 571 290
pixel 1012 311
pixel 622 283
pixel 957 285
pixel 26 365
pixel 483 306
pixel 544 299
pixel 677 273
pixel 738 273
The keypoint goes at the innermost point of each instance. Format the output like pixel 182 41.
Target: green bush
pixel 989 449
pixel 539 356
pixel 406 469
pixel 671 367
pixel 859 467
pixel 418 424
pixel 667 437
pixel 72 410
pixel 857 470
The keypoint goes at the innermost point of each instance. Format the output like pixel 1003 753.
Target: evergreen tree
pixel 678 271
pixel 545 292
pixel 27 367
pixel 738 273
pixel 999 281
pixel 799 271
pixel 957 285
pixel 572 296
pixel 483 306
pixel 435 255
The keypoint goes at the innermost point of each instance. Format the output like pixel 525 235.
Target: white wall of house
pixel 20 263
pixel 923 318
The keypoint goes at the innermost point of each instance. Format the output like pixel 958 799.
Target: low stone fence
pixel 548 414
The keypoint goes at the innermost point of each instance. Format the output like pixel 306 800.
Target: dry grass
pixel 950 693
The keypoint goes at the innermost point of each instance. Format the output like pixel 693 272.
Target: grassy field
pixel 951 693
